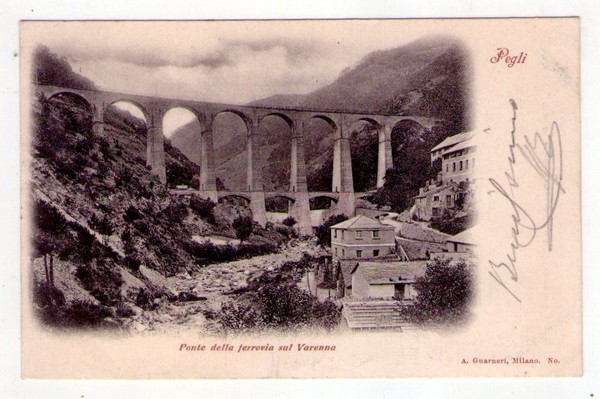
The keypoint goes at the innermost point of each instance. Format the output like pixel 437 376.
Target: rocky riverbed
pixel 206 289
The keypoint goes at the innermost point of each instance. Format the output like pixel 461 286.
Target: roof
pixel 453 140
pixel 436 190
pixel 465 237
pixel 361 222
pixel 390 272
pixel 462 145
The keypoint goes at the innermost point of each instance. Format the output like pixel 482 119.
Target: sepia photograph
pixel 232 187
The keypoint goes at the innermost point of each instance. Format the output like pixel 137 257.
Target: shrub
pixel 444 295
pixel 131 214
pixel 132 263
pixel 274 300
pixel 43 295
pixel 85 314
pixel 203 208
pixel 142 226
pixel 125 311
pixel 243 227
pixel 289 221
pixel 145 300
pixel 176 212
pixel 323 230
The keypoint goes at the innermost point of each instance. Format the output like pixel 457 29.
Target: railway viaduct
pixel 342 190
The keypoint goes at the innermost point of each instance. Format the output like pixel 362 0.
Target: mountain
pixel 428 77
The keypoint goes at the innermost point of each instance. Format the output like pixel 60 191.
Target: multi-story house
pixel 457 154
pixel 362 238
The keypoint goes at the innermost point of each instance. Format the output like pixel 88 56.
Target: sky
pixel 229 62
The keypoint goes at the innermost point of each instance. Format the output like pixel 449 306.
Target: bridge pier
pixel 97 118
pixel 300 209
pixel 208 177
pixel 257 206
pixel 384 157
pixel 155 151
pixel 342 174
pixel 254 176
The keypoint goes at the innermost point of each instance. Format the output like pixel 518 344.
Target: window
pixel 358 253
pixel 343 234
pixel 375 253
pixel 343 253
pixel 467 164
pixel 454 166
pixel 375 233
pixel 358 235
pixel 334 233
pixel 336 251
pixel 436 198
pixel 448 199
pixel 447 167
pixel 460 165
pixel 435 211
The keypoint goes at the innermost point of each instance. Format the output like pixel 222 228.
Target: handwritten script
pixel 543 153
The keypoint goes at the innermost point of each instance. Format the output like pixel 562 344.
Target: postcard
pixel 301 199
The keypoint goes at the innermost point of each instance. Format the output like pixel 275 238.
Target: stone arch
pixel 77 112
pixel 230 131
pixel 327 119
pixel 321 136
pixel 322 201
pixel 332 197
pixel 371 121
pixel 178 116
pixel 235 195
pixel 366 135
pixel 198 114
pixel 276 136
pixel 145 112
pixel 279 202
pixel 247 121
pixel 281 115
pixel 281 195
pixel 57 93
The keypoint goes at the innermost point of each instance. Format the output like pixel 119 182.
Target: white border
pixel 11 386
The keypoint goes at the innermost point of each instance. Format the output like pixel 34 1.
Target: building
pixel 457 155
pixel 390 280
pixel 380 288
pixel 458 162
pixel 362 237
pixel 459 246
pixel 448 143
pixel 431 203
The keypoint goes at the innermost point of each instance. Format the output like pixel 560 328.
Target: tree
pixel 48 227
pixel 323 230
pixel 131 214
pixel 243 227
pixel 289 221
pixel 102 225
pixel 203 208
pixel 444 294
